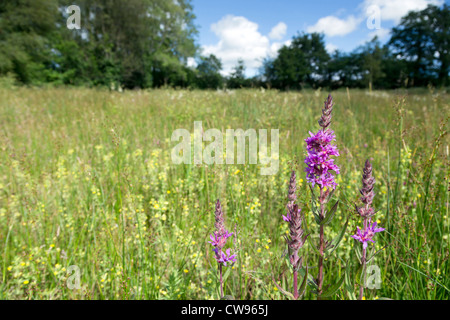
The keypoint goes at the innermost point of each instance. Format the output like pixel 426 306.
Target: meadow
pixel 86 180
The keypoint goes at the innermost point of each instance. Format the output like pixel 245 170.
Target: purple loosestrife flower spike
pixel 325 120
pixel 319 165
pixel 220 221
pixel 220 236
pixel 367 193
pixel 366 211
pixel 291 196
pixel 296 238
pixel 321 170
pixel 218 241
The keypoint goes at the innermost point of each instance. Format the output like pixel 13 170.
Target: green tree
pixel 237 77
pixel 371 63
pixel 208 73
pixel 422 39
pixel 173 42
pixel 24 45
pixel 137 43
pixel 344 70
pixel 303 62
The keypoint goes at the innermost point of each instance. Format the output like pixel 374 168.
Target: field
pixel 87 180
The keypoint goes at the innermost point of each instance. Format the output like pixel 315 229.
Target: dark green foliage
pixel 208 73
pixel 302 63
pixel 422 40
pixel 237 78
pixel 24 45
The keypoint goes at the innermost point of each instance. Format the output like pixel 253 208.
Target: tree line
pixel 147 43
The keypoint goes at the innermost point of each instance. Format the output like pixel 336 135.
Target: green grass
pixel 86 179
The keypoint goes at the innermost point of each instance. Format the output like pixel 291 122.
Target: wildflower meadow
pixel 92 205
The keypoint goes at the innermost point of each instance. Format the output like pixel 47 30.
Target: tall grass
pixel 86 179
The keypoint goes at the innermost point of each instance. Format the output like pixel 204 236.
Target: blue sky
pixel 254 29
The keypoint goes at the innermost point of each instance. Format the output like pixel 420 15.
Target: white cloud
pixel 278 32
pixel 274 47
pixel 191 62
pixel 395 9
pixel 239 38
pixel 333 26
pixel 330 48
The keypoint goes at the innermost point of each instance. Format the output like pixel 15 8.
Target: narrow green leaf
pixel 310 278
pixel 359 278
pixel 369 259
pixel 286 293
pixel 316 218
pixel 333 289
pixel 337 240
pixel 330 215
pixel 312 192
pixel 303 286
pixel 358 252
pixel 330 195
pixel 227 274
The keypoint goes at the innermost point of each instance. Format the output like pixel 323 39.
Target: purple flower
pixel 224 258
pixel 219 240
pixel 319 164
pixel 287 217
pixel 367 235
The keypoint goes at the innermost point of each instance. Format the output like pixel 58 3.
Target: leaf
pixel 228 297
pixel 358 253
pixel 227 273
pixel 312 192
pixel 337 240
pixel 315 211
pixel 310 238
pixel 368 260
pixel 310 278
pixel 330 195
pixel 303 286
pixel 359 275
pixel 286 293
pixel 333 289
pixel 316 218
pixel 330 215
pixel 314 207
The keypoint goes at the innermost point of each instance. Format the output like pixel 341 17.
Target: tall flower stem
pixel 366 212
pixel 319 170
pixel 295 241
pixel 321 245
pixel 296 284
pixel 221 281
pixel 296 238
pixel 363 262
pixel 218 241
